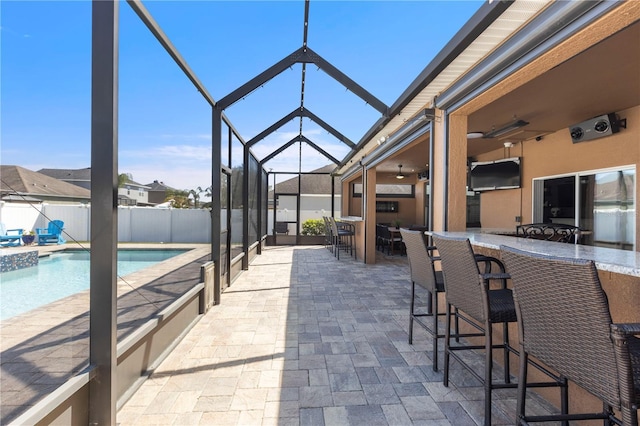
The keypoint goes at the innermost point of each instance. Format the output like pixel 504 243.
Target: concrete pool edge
pixel 20 332
pixel 67 404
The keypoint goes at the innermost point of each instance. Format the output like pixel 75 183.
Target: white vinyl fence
pixel 135 224
pixel 148 224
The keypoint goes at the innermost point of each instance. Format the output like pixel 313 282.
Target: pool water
pixel 61 275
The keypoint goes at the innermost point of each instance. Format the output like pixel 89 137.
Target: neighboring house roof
pixel 18 180
pixel 20 199
pixel 617 190
pixel 311 184
pixel 68 174
pixel 135 184
pixel 159 186
pixel 82 175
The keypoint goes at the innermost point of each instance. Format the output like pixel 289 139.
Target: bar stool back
pixel 564 321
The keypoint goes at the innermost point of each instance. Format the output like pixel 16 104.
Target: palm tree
pixel 196 196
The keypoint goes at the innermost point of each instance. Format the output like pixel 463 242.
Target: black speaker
pixel 595 128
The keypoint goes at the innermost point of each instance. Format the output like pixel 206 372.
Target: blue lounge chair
pixel 9 237
pixel 51 234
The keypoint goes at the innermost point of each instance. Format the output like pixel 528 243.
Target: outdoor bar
pixel 619 274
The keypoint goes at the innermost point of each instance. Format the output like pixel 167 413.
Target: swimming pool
pixel 63 274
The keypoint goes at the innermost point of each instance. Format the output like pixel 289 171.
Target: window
pixel 388 190
pixel 601 203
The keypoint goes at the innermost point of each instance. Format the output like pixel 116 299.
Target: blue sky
pixel 164 123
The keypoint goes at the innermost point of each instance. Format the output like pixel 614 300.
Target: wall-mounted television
pixel 387 206
pixel 498 174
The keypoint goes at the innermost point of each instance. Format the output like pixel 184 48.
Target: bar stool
pixel 423 273
pixel 343 236
pixel 565 322
pixel 468 289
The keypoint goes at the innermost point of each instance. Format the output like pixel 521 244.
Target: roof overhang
pixel 491 26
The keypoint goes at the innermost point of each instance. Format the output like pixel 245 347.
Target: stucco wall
pixel 554 155
pixel 406 206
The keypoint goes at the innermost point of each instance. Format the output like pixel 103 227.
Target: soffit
pixel 600 80
pixel 518 14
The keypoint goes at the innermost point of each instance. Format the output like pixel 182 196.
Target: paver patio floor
pixel 304 339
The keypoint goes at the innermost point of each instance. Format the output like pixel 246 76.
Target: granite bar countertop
pixel 351 219
pixel 606 259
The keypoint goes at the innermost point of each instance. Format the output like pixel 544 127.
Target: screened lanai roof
pixel 302 131
pixel 488 27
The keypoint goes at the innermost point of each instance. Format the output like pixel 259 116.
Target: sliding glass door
pixel 601 203
pixel 607 206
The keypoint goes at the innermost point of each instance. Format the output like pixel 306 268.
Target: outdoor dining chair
pixel 391 241
pixel 564 321
pixel 550 231
pixel 468 289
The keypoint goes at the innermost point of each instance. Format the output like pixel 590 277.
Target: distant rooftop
pixel 18 180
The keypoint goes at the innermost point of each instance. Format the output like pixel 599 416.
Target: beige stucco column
pixel 454 194
pixel 437 165
pixel 457 206
pixel 369 193
pixel 419 193
pixel 345 199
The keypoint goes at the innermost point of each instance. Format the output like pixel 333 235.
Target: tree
pixel 180 198
pixel 196 196
pixel 207 191
pixel 123 178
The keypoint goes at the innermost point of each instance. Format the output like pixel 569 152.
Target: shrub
pixel 313 227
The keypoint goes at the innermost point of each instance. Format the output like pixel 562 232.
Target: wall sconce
pixel 399 175
pixel 506 129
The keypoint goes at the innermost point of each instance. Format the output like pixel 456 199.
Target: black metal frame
pixel 303 55
pixel 104 214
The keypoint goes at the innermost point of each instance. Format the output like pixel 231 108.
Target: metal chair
pixel 468 289
pixel 391 242
pixel 549 231
pixel 379 240
pixel 564 321
pixel 282 228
